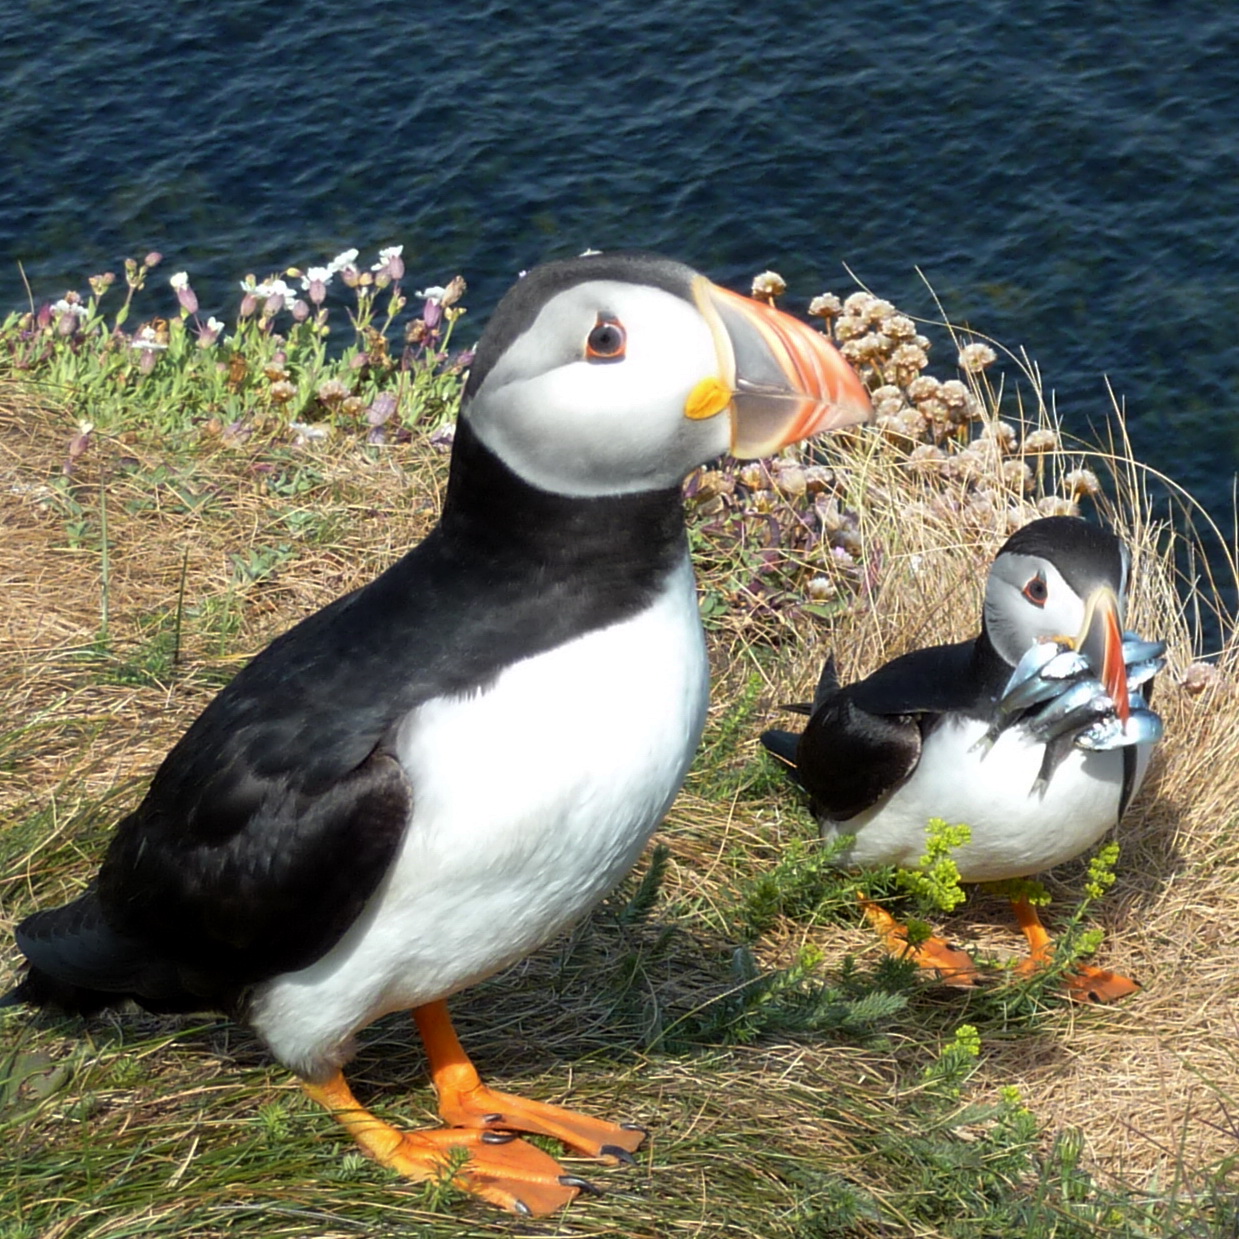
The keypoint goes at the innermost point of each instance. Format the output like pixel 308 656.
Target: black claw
pixel 498 1137
pixel 522 1208
pixel 492 1118
pixel 621 1155
pixel 645 1131
pixel 582 1185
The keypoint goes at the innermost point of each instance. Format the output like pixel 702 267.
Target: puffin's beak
pixel 1101 643
pixel 781 380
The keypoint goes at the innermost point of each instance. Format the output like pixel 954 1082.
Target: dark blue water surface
pixel 1066 175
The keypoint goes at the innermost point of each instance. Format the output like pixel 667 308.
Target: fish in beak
pixel 779 379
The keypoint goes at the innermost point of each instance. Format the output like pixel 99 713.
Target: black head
pixel 1045 580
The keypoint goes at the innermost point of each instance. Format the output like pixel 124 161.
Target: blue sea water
pixel 1066 176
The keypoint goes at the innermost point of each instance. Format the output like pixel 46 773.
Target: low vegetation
pixel 176 493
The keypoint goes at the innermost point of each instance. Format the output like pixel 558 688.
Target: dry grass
pixel 747 1136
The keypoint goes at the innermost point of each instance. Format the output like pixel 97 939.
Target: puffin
pixel 1036 734
pixel 390 802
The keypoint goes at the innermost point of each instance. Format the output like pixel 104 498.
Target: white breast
pixel 531 800
pixel 1015 832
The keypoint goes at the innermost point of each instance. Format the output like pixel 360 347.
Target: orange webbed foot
pixel 953 966
pixel 495 1166
pixel 466 1102
pixel 1084 983
pixel 488 1109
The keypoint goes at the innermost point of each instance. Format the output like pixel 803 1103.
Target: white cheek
pixel 590 428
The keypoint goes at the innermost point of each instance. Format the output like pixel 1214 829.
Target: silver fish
pixel 1079 705
pixel 1142 727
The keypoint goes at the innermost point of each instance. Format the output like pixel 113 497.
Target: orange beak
pixel 781 380
pixel 1101 643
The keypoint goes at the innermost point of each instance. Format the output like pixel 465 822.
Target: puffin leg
pixel 955 967
pixel 499 1168
pixel 464 1101
pixel 1083 983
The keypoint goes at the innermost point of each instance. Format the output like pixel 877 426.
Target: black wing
pixel 864 739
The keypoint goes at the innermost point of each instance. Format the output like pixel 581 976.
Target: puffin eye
pixel 607 340
pixel 1036 592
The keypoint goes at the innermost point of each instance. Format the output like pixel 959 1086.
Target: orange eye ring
pixel 1035 591
pixel 607 341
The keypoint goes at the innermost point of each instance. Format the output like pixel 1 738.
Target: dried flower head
pixel 789 479
pixel 955 395
pixel 1002 433
pixel 282 391
pixel 976 357
pixel 818 478
pixel 850 327
pixel 857 304
pixel 769 285
pixel 1081 482
pixel 924 387
pixel 909 360
pixel 1044 440
pixel 825 305
pixel 1201 676
pixel 1056 505
pixel 1017 476
pixel 927 458
pixel 332 392
pixel 878 311
pixel 822 589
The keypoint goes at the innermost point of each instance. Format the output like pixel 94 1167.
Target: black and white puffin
pixel 980 732
pixel 388 803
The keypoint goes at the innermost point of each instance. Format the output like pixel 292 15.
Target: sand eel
pixel 390 802
pixel 1036 734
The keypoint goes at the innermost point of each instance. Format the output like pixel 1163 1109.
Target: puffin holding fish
pixel 1036 734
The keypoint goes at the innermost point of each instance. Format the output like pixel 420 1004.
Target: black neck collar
pixel 493 510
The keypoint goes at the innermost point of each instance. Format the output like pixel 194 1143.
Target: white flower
pixel 385 256
pixel 340 261
pixel 435 292
pixel 320 274
pixel 268 288
pixel 146 339
pixel 70 307
pixel 179 281
pixel 308 432
pixel 213 324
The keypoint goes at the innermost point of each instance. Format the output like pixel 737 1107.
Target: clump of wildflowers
pixel 270 368
pixel 935 881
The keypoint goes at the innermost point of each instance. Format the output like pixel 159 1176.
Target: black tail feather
pixel 828 682
pixel 79 964
pixel 781 745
